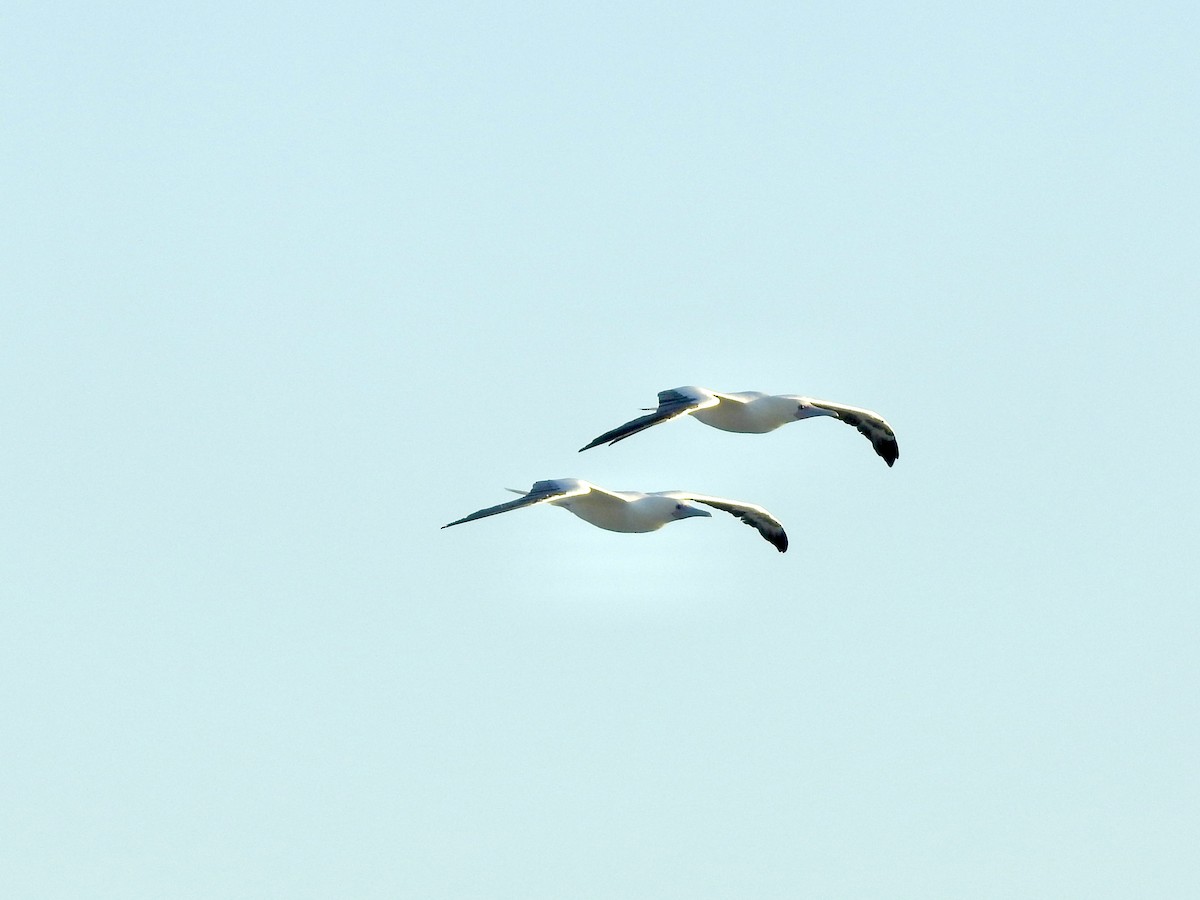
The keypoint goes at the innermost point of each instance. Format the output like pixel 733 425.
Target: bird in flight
pixel 633 511
pixel 751 412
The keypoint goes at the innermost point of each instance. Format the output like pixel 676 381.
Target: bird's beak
pixel 689 511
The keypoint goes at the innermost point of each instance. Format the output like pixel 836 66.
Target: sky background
pixel 288 287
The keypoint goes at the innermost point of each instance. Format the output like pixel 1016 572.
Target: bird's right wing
pixel 541 492
pixel 672 403
pixel 753 515
pixel 870 425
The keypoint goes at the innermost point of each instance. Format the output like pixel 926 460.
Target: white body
pixel 750 412
pixel 629 511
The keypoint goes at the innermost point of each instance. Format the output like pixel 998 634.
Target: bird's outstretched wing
pixel 755 516
pixel 671 403
pixel 869 424
pixel 539 493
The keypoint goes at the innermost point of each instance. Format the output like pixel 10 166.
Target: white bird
pixel 633 511
pixel 751 412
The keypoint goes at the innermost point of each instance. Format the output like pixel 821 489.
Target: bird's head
pixel 684 510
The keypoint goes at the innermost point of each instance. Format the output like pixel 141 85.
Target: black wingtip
pixel 890 451
pixel 605 439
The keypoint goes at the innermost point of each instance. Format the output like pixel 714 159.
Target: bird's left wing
pixel 541 492
pixel 671 403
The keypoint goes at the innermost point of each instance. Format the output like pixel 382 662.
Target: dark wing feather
pixel 539 493
pixel 754 516
pixel 670 404
pixel 870 425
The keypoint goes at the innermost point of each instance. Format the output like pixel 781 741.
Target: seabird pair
pixel 749 412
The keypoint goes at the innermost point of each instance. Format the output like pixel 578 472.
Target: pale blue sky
pixel 288 287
